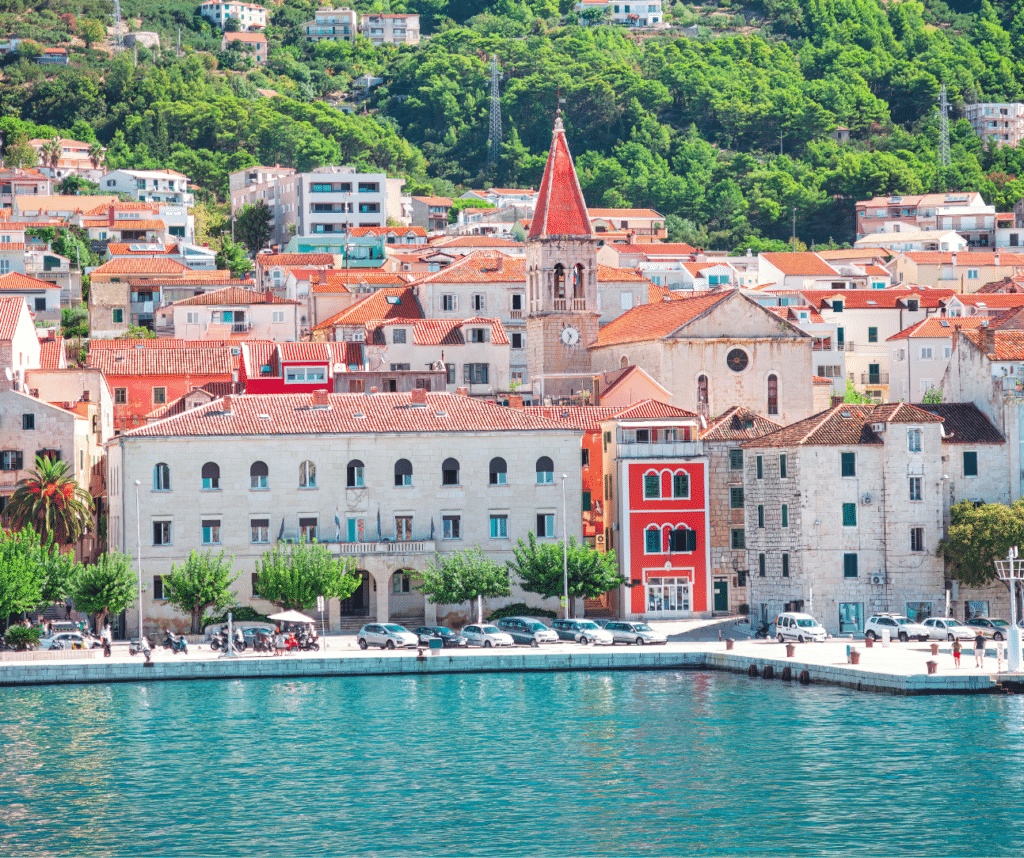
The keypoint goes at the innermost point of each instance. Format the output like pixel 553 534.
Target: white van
pixel 799 627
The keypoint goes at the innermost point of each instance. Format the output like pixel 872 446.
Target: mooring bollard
pixel 935 649
pixel 869 642
pixel 790 650
pixel 933 667
pixel 729 643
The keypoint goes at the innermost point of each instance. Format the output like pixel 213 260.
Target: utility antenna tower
pixel 118 36
pixel 943 128
pixel 494 137
pixel 178 53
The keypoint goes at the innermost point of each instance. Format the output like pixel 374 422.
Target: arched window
pixel 702 391
pixel 403 472
pixel 499 472
pixel 545 471
pixel 307 475
pixel 773 394
pixel 354 475
pixel 450 472
pixel 559 275
pixel 577 281
pixel 259 475
pixel 211 476
pixel 623 362
pixel 161 478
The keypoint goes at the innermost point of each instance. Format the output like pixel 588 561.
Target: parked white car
pixel 946 628
pixel 582 631
pixel 486 636
pixel 899 628
pixel 628 631
pixel 386 636
pixel 68 640
pixel 798 627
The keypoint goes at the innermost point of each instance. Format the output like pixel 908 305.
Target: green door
pixel 722 596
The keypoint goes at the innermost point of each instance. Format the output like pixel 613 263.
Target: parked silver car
pixel 582 631
pixel 386 636
pixel 946 629
pixel 991 627
pixel 899 628
pixel 526 630
pixel 68 640
pixel 627 632
pixel 486 636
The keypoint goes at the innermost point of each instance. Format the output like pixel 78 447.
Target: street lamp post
pixel 565 550
pixel 138 551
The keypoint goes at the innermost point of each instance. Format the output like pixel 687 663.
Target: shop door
pixel 722 596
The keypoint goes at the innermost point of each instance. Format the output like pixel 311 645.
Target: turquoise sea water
pixel 498 765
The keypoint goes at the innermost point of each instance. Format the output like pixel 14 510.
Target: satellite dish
pixel 8 373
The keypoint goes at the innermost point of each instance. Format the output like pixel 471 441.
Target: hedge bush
pixel 520 610
pixel 22 638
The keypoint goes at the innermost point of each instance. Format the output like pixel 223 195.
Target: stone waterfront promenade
pixel 896 669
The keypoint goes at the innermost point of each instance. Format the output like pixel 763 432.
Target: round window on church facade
pixel 737 360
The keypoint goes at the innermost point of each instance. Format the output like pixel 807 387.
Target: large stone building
pixel 392 480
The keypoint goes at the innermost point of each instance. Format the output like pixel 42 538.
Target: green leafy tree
pixel 20 584
pixel 853 397
pixel 74 185
pixel 932 396
pixel 74 322
pixel 539 567
pixel 20 154
pixel 50 501
pixel 105 587
pixel 979 535
pixel 232 256
pixel 96 155
pixel 252 225
pixel 201 582
pixel 91 31
pixel 137 332
pixel 232 25
pixel 291 576
pixel 462 577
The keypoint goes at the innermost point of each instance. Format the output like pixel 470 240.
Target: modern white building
pixel 148 186
pixel 332 25
pixel 393 481
pixel 920 354
pixel 1002 122
pixel 643 14
pixel 250 17
pixel 391 29
pixel 232 311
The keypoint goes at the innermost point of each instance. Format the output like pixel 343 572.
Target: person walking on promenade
pixel 979 650
pixel 107 637
pixel 278 642
pixel 956 652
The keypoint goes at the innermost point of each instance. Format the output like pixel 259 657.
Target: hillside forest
pixel 727 133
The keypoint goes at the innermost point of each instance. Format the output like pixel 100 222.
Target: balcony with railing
pixel 388 547
pixel 874 378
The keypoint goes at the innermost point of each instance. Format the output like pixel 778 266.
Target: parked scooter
pixel 175 643
pixel 263 640
pixel 220 640
pixel 140 645
pixel 308 642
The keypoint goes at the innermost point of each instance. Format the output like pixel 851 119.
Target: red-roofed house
pixel 431 213
pixel 19 345
pixel 645 225
pixel 231 311
pixel 16 182
pixel 920 354
pixel 389 302
pixel 42 297
pixel 964 272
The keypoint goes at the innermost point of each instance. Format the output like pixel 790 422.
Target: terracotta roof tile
pixel 217 389
pixel 125 249
pixel 561 209
pixel 380 413
pixel 251 38
pixel 800 264
pixel 376 307
pixel 211 361
pixel 586 418
pixel 475 241
pixel 18 281
pixel 232 295
pixel 651 408
pixel 128 224
pixel 656 248
pixel 963 423
pixel 258 354
pixel 738 424
pixel 1009 345
pixel 843 425
pixel 142 265
pixel 12 246
pixel 339 281
pixel 988 299
pixel 657 321
pixel 965 258
pixel 434 201
pixel 10 312
pixel 303 260
pixel 875 299
pixel 51 353
pixel 117 205
pixel 936 328
pixel 359 231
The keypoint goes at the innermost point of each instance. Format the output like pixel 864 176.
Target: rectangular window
pixel 120 395
pixel 499 527
pixel 117 315
pixel 158 588
pixel 926 353
pixel 259 530
pixel 682 539
pixel 356 529
pixel 849 464
pixel 517 341
pixel 970 464
pixel 211 531
pixel 680 485
pixel 915 488
pixel 159 395
pixel 307 529
pixel 761 565
pixel 398 335
pixel 785 515
pixel 585 457
pixel 403 528
pixel 478 302
pixel 785 565
pixel 849 515
pixel 28 422
pixel 652 541
pixel 478 335
pixel 449 368
pixel 451 527
pixel 914 440
pixel 782 466
pixel 760 515
pixel 760 467
pixel 449 303
pixel 161 533
pixel 849 565
pixel 917 539
pixel 585 501
pixel 736 497
pixel 255 580
pixel 872 335
pixel 652 486
pixel 11 460
pixel 737 538
pixel 475 373
pixel 735 460
pixel 545 524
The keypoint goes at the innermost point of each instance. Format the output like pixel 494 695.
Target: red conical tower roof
pixel 561 209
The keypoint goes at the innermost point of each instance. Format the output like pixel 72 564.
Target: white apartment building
pixel 1002 122
pixel 391 29
pixel 392 480
pixel 332 25
pixel 232 311
pixel 919 355
pixel 643 14
pixel 965 213
pixel 148 186
pixel 250 17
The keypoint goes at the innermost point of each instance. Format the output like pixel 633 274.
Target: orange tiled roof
pixel 208 361
pixel 988 299
pixel 376 307
pixel 843 425
pixel 251 38
pixel 142 265
pixel 303 260
pixel 115 248
pixel 738 424
pixel 657 321
pixel 17 281
pixel 561 209
pixel 874 299
pixel 232 295
pixel 1008 345
pixel 346 413
pixel 434 201
pixel 800 264
pixel 10 312
pixel 51 353
pixel 359 231
pixel 440 332
pixel 475 241
pixel 939 328
pixel 339 281
pixel 970 259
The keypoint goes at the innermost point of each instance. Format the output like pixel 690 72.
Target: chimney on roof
pixel 987 339
pixel 320 397
pixel 995 258
pixel 110 216
pixel 374 390
pixel 515 401
pixel 51 334
pixel 419 396
pixel 226 408
pixel 269 296
pixel 462 391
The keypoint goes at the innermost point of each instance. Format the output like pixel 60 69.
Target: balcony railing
pixel 515 315
pixel 636 450
pixel 385 546
pixel 570 303
pixel 874 378
pixel 240 327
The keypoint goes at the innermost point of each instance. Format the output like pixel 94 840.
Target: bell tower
pixel 561 271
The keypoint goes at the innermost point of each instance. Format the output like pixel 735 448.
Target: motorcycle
pixel 309 643
pixel 220 641
pixel 175 643
pixel 763 632
pixel 140 646
pixel 263 641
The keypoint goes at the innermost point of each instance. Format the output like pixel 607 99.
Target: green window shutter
pixel 652 487
pixel 970 464
pixel 736 459
pixel 782 466
pixel 849 464
pixel 785 515
pixel 586 501
pixel 849 565
pixel 785 565
pixel 760 467
pixel 872 335
pixel 760 515
pixel 849 515
pixel 760 565
pixel 653 541
pixel 738 538
pixel 680 485
pixel 736 497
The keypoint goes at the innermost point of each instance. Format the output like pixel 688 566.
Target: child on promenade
pixel 956 652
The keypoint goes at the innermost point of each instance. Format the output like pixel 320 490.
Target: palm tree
pixel 96 155
pixel 51 502
pixel 51 151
